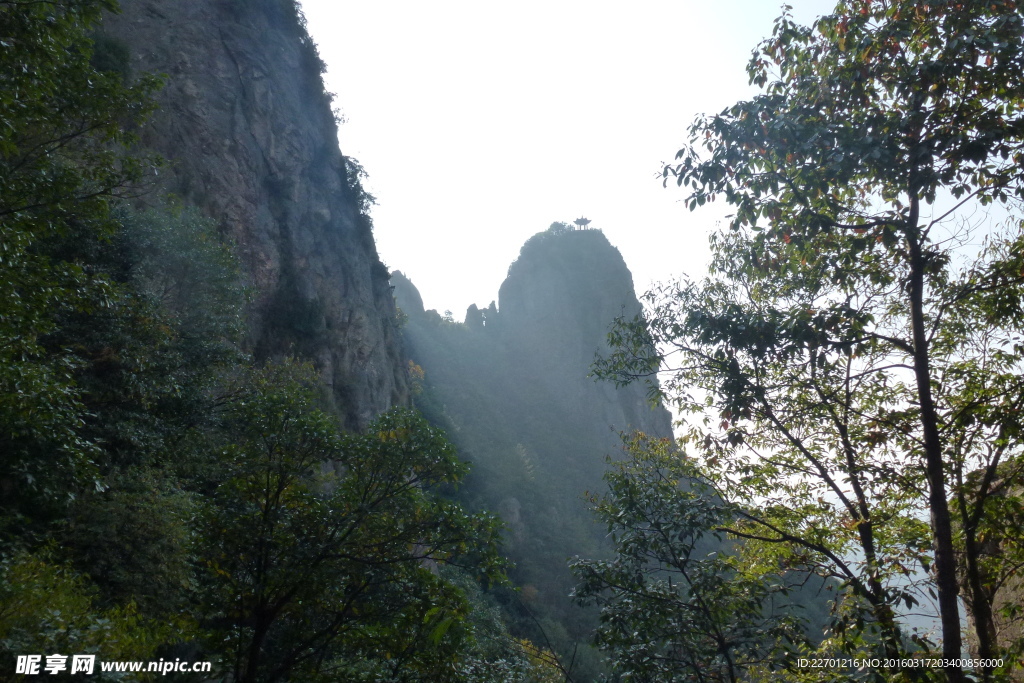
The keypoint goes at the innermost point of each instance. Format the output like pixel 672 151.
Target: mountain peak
pixel 563 292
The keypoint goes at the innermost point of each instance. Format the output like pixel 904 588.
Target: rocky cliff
pixel 512 386
pixel 251 139
pixel 526 362
pixel 556 306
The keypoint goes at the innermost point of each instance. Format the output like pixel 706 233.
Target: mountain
pixel 250 139
pixel 555 308
pixel 512 384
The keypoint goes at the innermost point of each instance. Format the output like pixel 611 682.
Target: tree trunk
pixel 980 603
pixel 942 532
pixel 252 659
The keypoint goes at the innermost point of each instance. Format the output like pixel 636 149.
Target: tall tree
pixel 64 132
pixel 858 337
pixel 319 547
pixel 677 604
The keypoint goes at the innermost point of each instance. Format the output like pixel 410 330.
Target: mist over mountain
pixel 207 382
pixel 512 384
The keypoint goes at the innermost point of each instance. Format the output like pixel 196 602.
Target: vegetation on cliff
pixel 163 495
pixel 176 485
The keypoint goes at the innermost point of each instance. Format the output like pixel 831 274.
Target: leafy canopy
pixel 874 105
pixel 318 545
pixel 64 132
pixel 853 361
pixel 677 604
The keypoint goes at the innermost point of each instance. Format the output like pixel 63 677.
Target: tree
pixel 64 132
pixel 854 357
pixel 124 444
pixel 45 606
pixel 676 603
pixel 148 365
pixel 319 547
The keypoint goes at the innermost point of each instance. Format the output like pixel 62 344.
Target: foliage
pixel 845 366
pixel 676 603
pixel 100 374
pixel 135 541
pixel 46 607
pixel 515 396
pixel 557 238
pixel 148 470
pixel 63 134
pixel 495 656
pixel 178 261
pixel 148 365
pixel 355 174
pixel 149 360
pixel 529 467
pixel 319 545
pixel 110 54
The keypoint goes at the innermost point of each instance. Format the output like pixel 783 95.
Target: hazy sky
pixel 480 123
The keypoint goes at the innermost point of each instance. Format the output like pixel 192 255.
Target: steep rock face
pixel 556 305
pixel 406 294
pixel 252 141
pixel 527 362
pixel 511 385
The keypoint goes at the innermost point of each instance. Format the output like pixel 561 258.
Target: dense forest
pixel 209 452
pixel 166 496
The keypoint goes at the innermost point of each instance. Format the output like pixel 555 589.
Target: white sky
pixel 480 123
